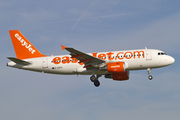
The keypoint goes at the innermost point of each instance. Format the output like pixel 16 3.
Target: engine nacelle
pixel 118 76
pixel 114 67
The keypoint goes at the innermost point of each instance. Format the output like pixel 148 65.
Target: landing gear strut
pixel 149 73
pixel 95 80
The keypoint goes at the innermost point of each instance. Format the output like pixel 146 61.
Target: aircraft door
pixel 44 63
pixel 148 55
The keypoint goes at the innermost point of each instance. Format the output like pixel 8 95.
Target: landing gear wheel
pixel 150 77
pixel 93 78
pixel 97 83
pixel 149 73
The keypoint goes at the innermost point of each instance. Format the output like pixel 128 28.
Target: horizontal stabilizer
pixel 18 61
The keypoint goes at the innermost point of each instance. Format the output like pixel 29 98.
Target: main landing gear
pixel 95 80
pixel 149 73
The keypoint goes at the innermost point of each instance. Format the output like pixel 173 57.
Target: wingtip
pixel 63 47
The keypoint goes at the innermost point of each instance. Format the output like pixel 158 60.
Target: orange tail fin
pixel 23 48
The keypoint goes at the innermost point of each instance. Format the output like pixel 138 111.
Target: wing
pixel 89 60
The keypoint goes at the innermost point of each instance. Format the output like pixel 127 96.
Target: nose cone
pixel 170 60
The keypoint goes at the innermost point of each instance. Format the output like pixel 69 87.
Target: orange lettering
pixel 139 52
pixel 65 60
pixel 74 60
pixel 56 60
pixel 81 63
pixel 109 55
pixel 94 54
pixel 102 56
pixel 127 56
pixel 120 57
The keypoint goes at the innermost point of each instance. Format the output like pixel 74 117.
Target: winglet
pixel 63 47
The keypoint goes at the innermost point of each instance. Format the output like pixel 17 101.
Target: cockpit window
pixel 161 53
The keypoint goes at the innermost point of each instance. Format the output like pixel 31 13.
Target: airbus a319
pixel 113 64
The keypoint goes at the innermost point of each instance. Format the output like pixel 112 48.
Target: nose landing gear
pixel 95 80
pixel 149 73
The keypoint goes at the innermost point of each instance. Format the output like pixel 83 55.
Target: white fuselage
pixel 64 64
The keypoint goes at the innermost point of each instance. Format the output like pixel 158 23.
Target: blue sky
pixel 90 26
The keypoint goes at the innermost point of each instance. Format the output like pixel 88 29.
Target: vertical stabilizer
pixel 23 48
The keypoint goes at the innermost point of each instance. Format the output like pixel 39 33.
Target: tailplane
pixel 23 48
pixel 18 61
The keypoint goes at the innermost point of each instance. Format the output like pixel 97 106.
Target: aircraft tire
pixel 93 78
pixel 150 77
pixel 97 83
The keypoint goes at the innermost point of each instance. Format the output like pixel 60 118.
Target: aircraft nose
pixel 171 60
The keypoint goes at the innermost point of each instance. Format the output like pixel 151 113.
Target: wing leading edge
pixel 89 60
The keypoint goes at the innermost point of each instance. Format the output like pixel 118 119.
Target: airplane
pixel 113 64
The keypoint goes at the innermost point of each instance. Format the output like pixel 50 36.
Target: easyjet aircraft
pixel 114 65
